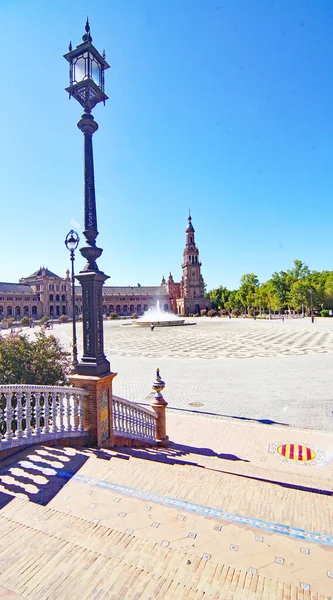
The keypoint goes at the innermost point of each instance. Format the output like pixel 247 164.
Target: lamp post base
pixel 93 367
pixel 93 362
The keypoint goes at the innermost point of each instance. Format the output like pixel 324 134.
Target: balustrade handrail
pixel 32 414
pixel 42 388
pixel 132 421
pixel 136 405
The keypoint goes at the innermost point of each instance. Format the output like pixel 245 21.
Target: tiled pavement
pixel 193 521
pixel 265 370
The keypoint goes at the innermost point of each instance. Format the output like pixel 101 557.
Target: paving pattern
pixel 220 338
pixel 188 500
pixel 284 375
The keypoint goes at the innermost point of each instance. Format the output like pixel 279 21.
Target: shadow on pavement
pixel 213 414
pixel 40 473
pixel 172 456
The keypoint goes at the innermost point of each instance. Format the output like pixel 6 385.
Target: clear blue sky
pixel 222 106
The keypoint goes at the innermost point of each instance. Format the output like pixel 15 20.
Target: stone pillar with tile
pixel 159 405
pixel 97 408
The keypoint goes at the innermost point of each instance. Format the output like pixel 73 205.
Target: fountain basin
pixel 158 323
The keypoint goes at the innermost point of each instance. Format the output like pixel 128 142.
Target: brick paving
pixel 216 515
pixel 130 544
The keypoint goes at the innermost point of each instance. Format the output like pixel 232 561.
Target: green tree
pixel 42 361
pixel 248 291
pixel 300 270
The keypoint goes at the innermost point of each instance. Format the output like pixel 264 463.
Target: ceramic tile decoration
pixel 122 514
pixel 95 521
pixel 295 452
pixel 330 574
pixel 184 505
pixel 206 556
pixel 116 499
pixel 217 527
pixel 305 550
pixel 259 538
pixel 279 560
pixel 253 571
pixel 181 518
pixel 92 505
pixel 192 535
pixel 155 524
pixel 165 543
pixel 304 586
pixel 129 531
pixel 234 548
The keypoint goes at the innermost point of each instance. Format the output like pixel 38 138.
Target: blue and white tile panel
pixel 292 532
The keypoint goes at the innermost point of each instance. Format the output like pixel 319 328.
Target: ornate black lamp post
pixel 72 242
pixel 86 74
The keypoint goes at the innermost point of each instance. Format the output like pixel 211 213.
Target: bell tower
pixel 192 284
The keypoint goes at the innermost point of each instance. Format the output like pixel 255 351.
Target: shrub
pixel 325 313
pixel 135 316
pixel 42 361
pixel 211 312
pixel 8 321
pixel 113 315
pixel 63 318
pixel 44 319
pixel 223 312
pixel 203 312
pixel 235 312
pixel 25 321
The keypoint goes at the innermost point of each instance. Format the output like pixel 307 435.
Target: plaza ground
pixel 261 370
pixel 221 513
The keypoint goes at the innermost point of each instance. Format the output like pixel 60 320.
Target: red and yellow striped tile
pixel 296 452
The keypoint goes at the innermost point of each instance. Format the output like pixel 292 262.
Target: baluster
pixel 129 419
pixel 69 411
pixel 128 425
pixel 76 398
pixel 116 416
pixel 28 413
pixel 9 416
pixel 38 412
pixel 54 427
pixel 19 409
pixel 61 412
pixel 46 427
pixel 136 419
pixel 2 422
pixel 121 414
pixel 81 409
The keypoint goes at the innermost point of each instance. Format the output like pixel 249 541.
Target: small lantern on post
pixel 159 407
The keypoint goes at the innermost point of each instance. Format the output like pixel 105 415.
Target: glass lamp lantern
pixel 86 72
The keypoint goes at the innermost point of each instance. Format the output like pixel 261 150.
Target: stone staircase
pixel 47 554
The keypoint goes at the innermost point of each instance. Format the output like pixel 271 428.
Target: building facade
pixel 44 293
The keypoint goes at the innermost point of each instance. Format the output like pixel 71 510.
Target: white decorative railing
pixel 133 421
pixel 32 414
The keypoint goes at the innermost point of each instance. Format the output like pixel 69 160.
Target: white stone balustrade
pixel 31 414
pixel 133 421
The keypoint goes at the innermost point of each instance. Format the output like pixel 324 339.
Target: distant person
pixel 282 318
pixel 312 319
pixel 152 327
